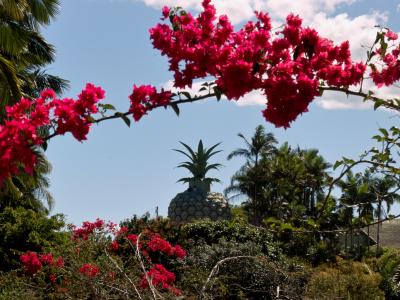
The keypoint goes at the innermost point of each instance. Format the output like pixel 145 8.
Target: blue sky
pixel 122 171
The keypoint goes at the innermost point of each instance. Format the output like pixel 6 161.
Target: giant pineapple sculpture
pixel 197 202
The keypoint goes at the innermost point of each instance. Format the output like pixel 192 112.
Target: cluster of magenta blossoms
pixel 152 247
pixel 33 263
pixel 24 121
pixel 389 57
pixel 155 251
pixel 287 65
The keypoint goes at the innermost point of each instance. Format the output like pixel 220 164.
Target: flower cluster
pixel 145 98
pixel 287 66
pixel 89 270
pixel 20 131
pixel 157 253
pixel 157 243
pixel 87 228
pixel 160 277
pixel 390 71
pixel 33 262
pixel 151 245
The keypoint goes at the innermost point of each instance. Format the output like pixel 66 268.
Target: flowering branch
pixel 291 66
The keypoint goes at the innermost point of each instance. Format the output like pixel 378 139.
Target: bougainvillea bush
pixel 102 261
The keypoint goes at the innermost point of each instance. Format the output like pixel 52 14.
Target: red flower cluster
pixel 20 130
pixel 33 262
pixel 89 270
pixel 390 72
pixel 132 238
pixel 74 115
pixel 145 97
pixel 287 66
pixel 157 243
pixel 87 229
pixel 160 277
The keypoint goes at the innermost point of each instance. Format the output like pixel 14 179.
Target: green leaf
pixel 363 189
pixel 378 103
pixel 378 138
pixel 384 46
pixel 106 106
pixel 379 36
pixel 217 92
pixel 384 132
pixel 373 67
pixel 203 89
pixel 186 94
pixel 175 108
pixel 337 164
pixel 91 119
pixel 124 118
pixel 348 161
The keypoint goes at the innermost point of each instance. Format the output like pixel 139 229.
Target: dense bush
pixel 245 274
pixel 24 229
pixel 345 280
pixel 388 265
pixel 211 232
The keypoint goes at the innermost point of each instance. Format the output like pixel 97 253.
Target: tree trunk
pixel 377 232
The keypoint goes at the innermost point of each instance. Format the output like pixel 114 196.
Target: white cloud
pixel 305 8
pixel 256 97
pixel 242 10
pixel 359 31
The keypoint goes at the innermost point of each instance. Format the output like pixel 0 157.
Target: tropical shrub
pixel 243 272
pixel 211 232
pixel 388 265
pixel 23 229
pixel 100 260
pixel 344 280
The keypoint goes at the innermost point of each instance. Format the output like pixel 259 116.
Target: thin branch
pixel 119 115
pixel 342 174
pixel 148 279
pixel 215 270
pixel 120 269
pixel 361 94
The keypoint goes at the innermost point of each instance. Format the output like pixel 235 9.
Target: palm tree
pixel 198 165
pixel 23 55
pixel 261 144
pixel 314 177
pixel 249 180
pixel 29 191
pixel 23 50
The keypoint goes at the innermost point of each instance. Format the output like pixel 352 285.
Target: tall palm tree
pixel 248 181
pixel 23 55
pixel 23 50
pixel 261 144
pixel 314 177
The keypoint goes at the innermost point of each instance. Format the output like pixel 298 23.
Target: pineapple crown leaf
pixel 198 161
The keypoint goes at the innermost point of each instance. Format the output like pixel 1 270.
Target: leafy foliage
pixel 26 229
pixel 348 280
